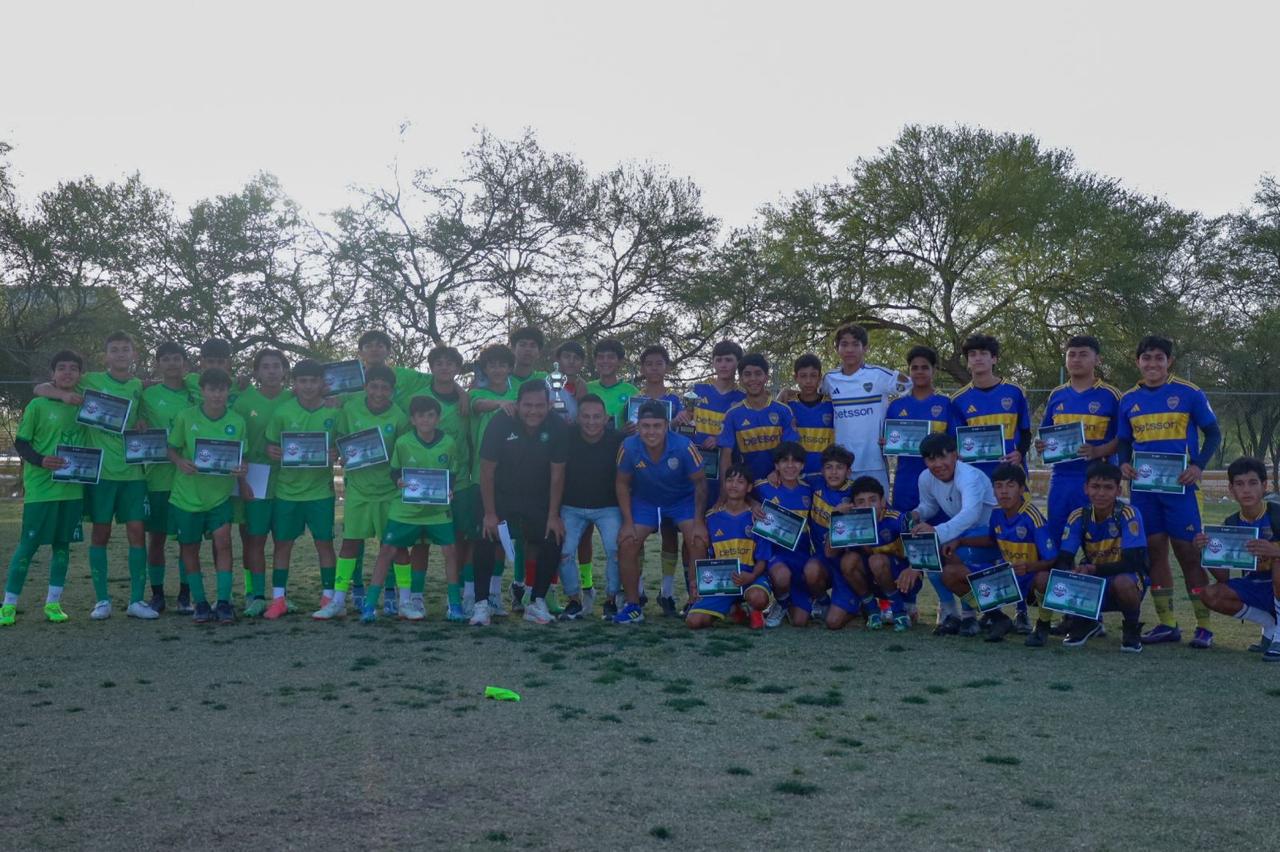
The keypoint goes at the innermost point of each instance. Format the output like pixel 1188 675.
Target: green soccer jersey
pixel 615 399
pixel 453 424
pixel 371 484
pixel 409 383
pixel 160 406
pixel 307 483
pixel 202 492
pixel 45 424
pixel 479 422
pixel 111 443
pixel 257 409
pixel 440 454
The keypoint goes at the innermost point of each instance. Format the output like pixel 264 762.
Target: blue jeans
pixel 608 520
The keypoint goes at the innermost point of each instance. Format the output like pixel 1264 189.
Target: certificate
pixel 146 446
pixel 903 437
pixel 304 449
pixel 780 526
pixel 856 528
pixel 634 403
pixel 922 551
pixel 362 449
pixel 1062 443
pixel 83 465
pixel 258 478
pixel 995 587
pixel 104 411
pixel 980 443
pixel 711 464
pixel 1158 472
pixel 1226 548
pixel 425 486
pixel 715 577
pixel 1075 594
pixel 343 377
pixel 218 458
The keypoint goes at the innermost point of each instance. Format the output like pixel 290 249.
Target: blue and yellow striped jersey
pixel 813 423
pixel 1096 408
pixel 1003 403
pixel 731 538
pixel 1167 419
pixel 1103 540
pixel 754 433
pixel 708 416
pixel 1024 537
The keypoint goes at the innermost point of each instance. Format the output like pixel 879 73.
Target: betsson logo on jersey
pixel 845 413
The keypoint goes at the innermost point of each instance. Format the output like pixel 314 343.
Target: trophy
pixel 562 402
pixel 690 405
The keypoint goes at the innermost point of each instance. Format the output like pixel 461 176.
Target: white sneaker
pixel 137 609
pixel 588 601
pixel 412 611
pixel 101 611
pixel 537 612
pixel 496 607
pixel 332 609
pixel 480 617
pixel 774 614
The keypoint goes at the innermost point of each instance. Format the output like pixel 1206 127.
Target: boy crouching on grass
pixel 874 571
pixel 729 529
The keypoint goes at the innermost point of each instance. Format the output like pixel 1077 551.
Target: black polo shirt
pixel 522 481
pixel 591 471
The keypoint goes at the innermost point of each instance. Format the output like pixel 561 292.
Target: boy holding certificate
pixel 1256 595
pixel 868 569
pixel 161 404
pixel 729 529
pixel 121 493
pixel 369 491
pixel 1165 414
pixel 51 510
pixel 200 501
pixel 830 497
pixel 990 400
pixel 304 494
pixel 1115 547
pixel 786 567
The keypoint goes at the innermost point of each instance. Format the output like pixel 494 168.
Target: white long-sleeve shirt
pixel 967 500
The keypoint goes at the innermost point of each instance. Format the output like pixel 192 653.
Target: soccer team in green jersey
pixel 272 450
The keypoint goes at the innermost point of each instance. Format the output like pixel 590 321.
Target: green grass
pixel 292 722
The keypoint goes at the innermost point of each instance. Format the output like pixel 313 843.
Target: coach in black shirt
pixel 522 462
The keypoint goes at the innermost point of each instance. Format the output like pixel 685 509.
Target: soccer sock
pixel 326 578
pixel 403 575
pixel 946 599
pixel 454 593
pixel 418 581
pixel 585 575
pixel 137 573
pixel 869 605
pixel 18 568
pixel 58 573
pixel 98 571
pixel 196 581
pixel 1198 607
pixel 530 572
pixel 896 603
pixel 784 601
pixel 499 565
pixel 469 580
pixel 669 561
pixel 1260 617
pixel 345 571
pixel 248 583
pixel 339 597
pixel 495 584
pixel 279 581
pixel 155 576
pixel 223 582
pixel 357 573
pixel 970 602
pixel 1162 599
pixel 254 584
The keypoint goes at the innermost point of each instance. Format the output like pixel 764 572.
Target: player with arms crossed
pixel 860 394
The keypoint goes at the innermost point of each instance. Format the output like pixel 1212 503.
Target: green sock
pixel 1198 607
pixel 357 575
pixel 327 576
pixel 417 582
pixel 98 570
pixel 404 575
pixel 196 582
pixel 279 578
pixel 371 595
pixel 346 570
pixel 252 584
pixel 454 592
pixel 137 573
pixel 468 573
pixel 586 575
pixel 58 566
pixel 18 568
pixel 155 575
pixel 1162 599
pixel 224 581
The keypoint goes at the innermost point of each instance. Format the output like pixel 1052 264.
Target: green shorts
pixel 254 515
pixel 468 511
pixel 125 500
pixel 290 517
pixel 190 527
pixel 400 534
pixel 364 520
pixel 55 522
pixel 158 513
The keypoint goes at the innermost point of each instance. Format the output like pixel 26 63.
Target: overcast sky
pixel 750 99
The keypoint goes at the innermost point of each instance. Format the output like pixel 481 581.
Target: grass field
pixel 293 734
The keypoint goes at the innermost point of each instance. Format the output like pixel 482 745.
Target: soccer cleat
pixel 225 612
pixel 412 611
pixel 517 597
pixel 756 620
pixel 1263 643
pixel 330 611
pixel 480 618
pixel 138 609
pixel 203 613
pixel 588 601
pixel 101 611
pixel 629 614
pixel 1082 630
pixel 369 614
pixel 357 598
pixel 1037 638
pixel 1022 623
pixel 901 623
pixel 53 612
pixel 818 611
pixel 1272 654
pixel 668 606
pixel 455 613
pixel 8 615
pixel 1161 634
pixel 969 627
pixel 537 612
pixel 157 602
pixel 255 608
pixel 496 609
pixel 773 615
pixel 184 602
pixel 1062 628
pixel 875 620
pixel 391 604
pixel 1131 639
pixel 275 609
pixel 950 626
pixel 1202 639
pixel 609 610
pixel 998 627
pixel 324 600
pixel 572 611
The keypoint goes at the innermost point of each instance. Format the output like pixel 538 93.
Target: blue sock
pixel 896 603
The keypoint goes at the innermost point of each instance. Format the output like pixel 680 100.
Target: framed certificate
pixel 104 411
pixel 343 377
pixel 922 551
pixel 362 449
pixel 856 528
pixel 83 467
pixel 1062 443
pixel 1226 548
pixel 715 577
pixel 781 526
pixel 634 403
pixel 304 449
pixel 1158 473
pixel 425 486
pixel 995 587
pixel 980 443
pixel 711 464
pixel 1075 594
pixel 218 458
pixel 146 446
pixel 903 437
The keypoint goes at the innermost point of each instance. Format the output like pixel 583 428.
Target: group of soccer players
pixel 698 468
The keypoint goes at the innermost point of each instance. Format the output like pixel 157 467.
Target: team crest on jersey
pixel 1006 403
pixel 229 429
pixel 673 463
pixel 388 428
pixel 1112 530
pixel 1133 527
pixel 867 386
pixel 443 458
pixel 1173 402
pixel 999 530
pixel 328 423
pixel 826 420
pixel 543 437
pixel 1020 532
pixel 1095 407
pixel 936 411
pixel 773 417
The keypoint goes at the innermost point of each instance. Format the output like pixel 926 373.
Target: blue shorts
pixel 1108 598
pixel 977 558
pixel 842 594
pixel 1066 494
pixel 719 605
pixel 1178 515
pixel 1256 592
pixel 794 563
pixel 906 485
pixel 646 514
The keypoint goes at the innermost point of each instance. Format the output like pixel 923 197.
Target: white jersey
pixel 860 401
